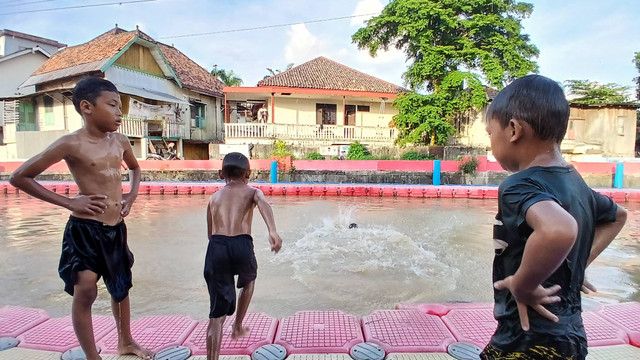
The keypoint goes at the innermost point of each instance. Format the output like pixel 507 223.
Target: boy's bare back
pixel 231 209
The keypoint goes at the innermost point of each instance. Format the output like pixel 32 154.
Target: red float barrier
pixel 50 187
pixel 491 193
pixel 388 191
pixel 210 189
pixel 446 192
pixel 267 190
pixel 156 190
pixel 417 192
pixel 634 196
pixel 292 190
pixel 197 190
pixel 360 190
pixel 333 190
pixel 126 188
pixel 375 191
pixel 461 192
pixel 475 193
pixel 619 196
pixel 346 190
pixel 319 190
pixel 403 191
pixel 3 188
pixel 305 190
pixel 144 189
pixel 184 189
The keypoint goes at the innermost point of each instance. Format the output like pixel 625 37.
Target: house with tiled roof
pixel 20 55
pixel 166 97
pixel 320 102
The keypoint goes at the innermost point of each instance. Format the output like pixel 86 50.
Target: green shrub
pixel 414 155
pixel 358 151
pixel 384 157
pixel 335 158
pixel 469 167
pixel 280 149
pixel 315 156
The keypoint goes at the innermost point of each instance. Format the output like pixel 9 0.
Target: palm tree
pixel 276 71
pixel 229 78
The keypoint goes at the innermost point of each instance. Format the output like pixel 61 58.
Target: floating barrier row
pixel 352 190
pixel 411 328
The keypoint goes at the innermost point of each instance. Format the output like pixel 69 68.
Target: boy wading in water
pixel 230 250
pixel 95 238
pixel 550 226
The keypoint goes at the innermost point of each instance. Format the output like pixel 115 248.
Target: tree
pixel 229 78
pixel 636 61
pixel 449 44
pixel 276 71
pixel 591 92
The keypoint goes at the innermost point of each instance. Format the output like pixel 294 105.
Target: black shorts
pixel 228 256
pixel 556 351
pixel 92 245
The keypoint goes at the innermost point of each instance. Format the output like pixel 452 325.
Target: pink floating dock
pixel 626 316
pixel 601 332
pixel 15 320
pixel 153 333
pixel 407 331
pixel 263 331
pixel 442 309
pixel 475 326
pixel 316 332
pixel 58 335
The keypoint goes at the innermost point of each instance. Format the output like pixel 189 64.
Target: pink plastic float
pixel 601 332
pixel 58 335
pixel 626 316
pixel 15 320
pixel 318 332
pixel 406 331
pixel 263 331
pixel 474 326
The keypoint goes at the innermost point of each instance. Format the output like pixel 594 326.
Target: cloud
pixel 303 45
pixel 366 7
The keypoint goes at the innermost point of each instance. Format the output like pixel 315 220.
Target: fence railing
pixel 135 127
pixel 310 132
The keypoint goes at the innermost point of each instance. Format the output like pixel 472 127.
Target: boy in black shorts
pixel 550 226
pixel 95 239
pixel 230 250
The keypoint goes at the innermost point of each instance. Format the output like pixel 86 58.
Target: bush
pixel 280 149
pixel 315 156
pixel 414 155
pixel 358 151
pixel 469 167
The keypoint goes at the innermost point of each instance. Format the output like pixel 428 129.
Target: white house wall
pixel 15 71
pixel 10 44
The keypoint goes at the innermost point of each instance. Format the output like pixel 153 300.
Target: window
pixel 621 121
pixel 198 115
pixel 27 116
pixel 326 114
pixel 363 108
pixel 49 119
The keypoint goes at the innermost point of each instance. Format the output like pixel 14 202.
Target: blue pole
pixel 619 176
pixel 274 172
pixel 436 172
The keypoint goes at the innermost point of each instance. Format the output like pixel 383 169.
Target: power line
pixel 26 3
pixel 77 7
pixel 265 27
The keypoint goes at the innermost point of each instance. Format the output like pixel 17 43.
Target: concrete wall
pixel 30 143
pixel 15 71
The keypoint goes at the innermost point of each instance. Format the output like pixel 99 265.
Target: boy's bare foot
pixel 133 348
pixel 240 332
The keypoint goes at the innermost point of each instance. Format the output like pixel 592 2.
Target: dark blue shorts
pixel 228 256
pixel 91 245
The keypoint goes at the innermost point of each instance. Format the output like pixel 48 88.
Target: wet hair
pixel 235 165
pixel 536 100
pixel 89 88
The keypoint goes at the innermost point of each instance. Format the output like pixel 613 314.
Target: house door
pixel 350 115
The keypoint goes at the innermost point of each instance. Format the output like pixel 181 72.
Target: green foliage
pixel 315 156
pixel 440 39
pixel 591 92
pixel 636 62
pixel 414 155
pixel 357 151
pixel 228 78
pixel 470 166
pixel 273 72
pixel 280 149
pixel 335 158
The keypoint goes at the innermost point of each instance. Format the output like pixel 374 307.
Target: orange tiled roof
pixel 191 75
pixel 323 73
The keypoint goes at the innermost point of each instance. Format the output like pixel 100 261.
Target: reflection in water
pixel 403 250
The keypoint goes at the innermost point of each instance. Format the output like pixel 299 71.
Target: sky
pixel 578 39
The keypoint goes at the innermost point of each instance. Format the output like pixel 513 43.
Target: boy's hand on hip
pixel 534 299
pixel 588 287
pixel 275 241
pixel 126 202
pixel 88 204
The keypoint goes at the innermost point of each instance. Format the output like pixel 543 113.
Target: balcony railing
pixel 310 132
pixel 135 127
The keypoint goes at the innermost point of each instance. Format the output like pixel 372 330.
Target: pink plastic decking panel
pixel 475 326
pixel 601 332
pixel 443 308
pixel 153 333
pixel 58 335
pixel 407 331
pixel 315 332
pixel 263 331
pixel 15 320
pixel 626 316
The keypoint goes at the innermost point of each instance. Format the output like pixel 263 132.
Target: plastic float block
pixel 419 356
pixel 29 354
pixel 346 190
pixel 58 335
pixel 477 193
pixel 417 192
pixel 442 309
pixel 50 187
pixel 197 190
pixel 461 192
pixel 156 189
pixel 319 190
pixel 375 191
pixel 144 189
pixel 626 316
pixel 619 196
pixel 292 190
pixel 305 190
pixel 491 193
pixel 222 357
pixel 263 331
pixel 406 331
pixel 15 320
pixel 616 352
pixel 318 332
pixel 431 192
pixel 333 190
pixel 402 191
pixel 3 188
pixel 319 357
pixel 474 326
pixel 604 192
pixel 360 190
pixel 601 332
pixel 388 191
pixel 152 332
pixel 446 192
pixel 170 189
pixel 634 196
pixel 184 189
